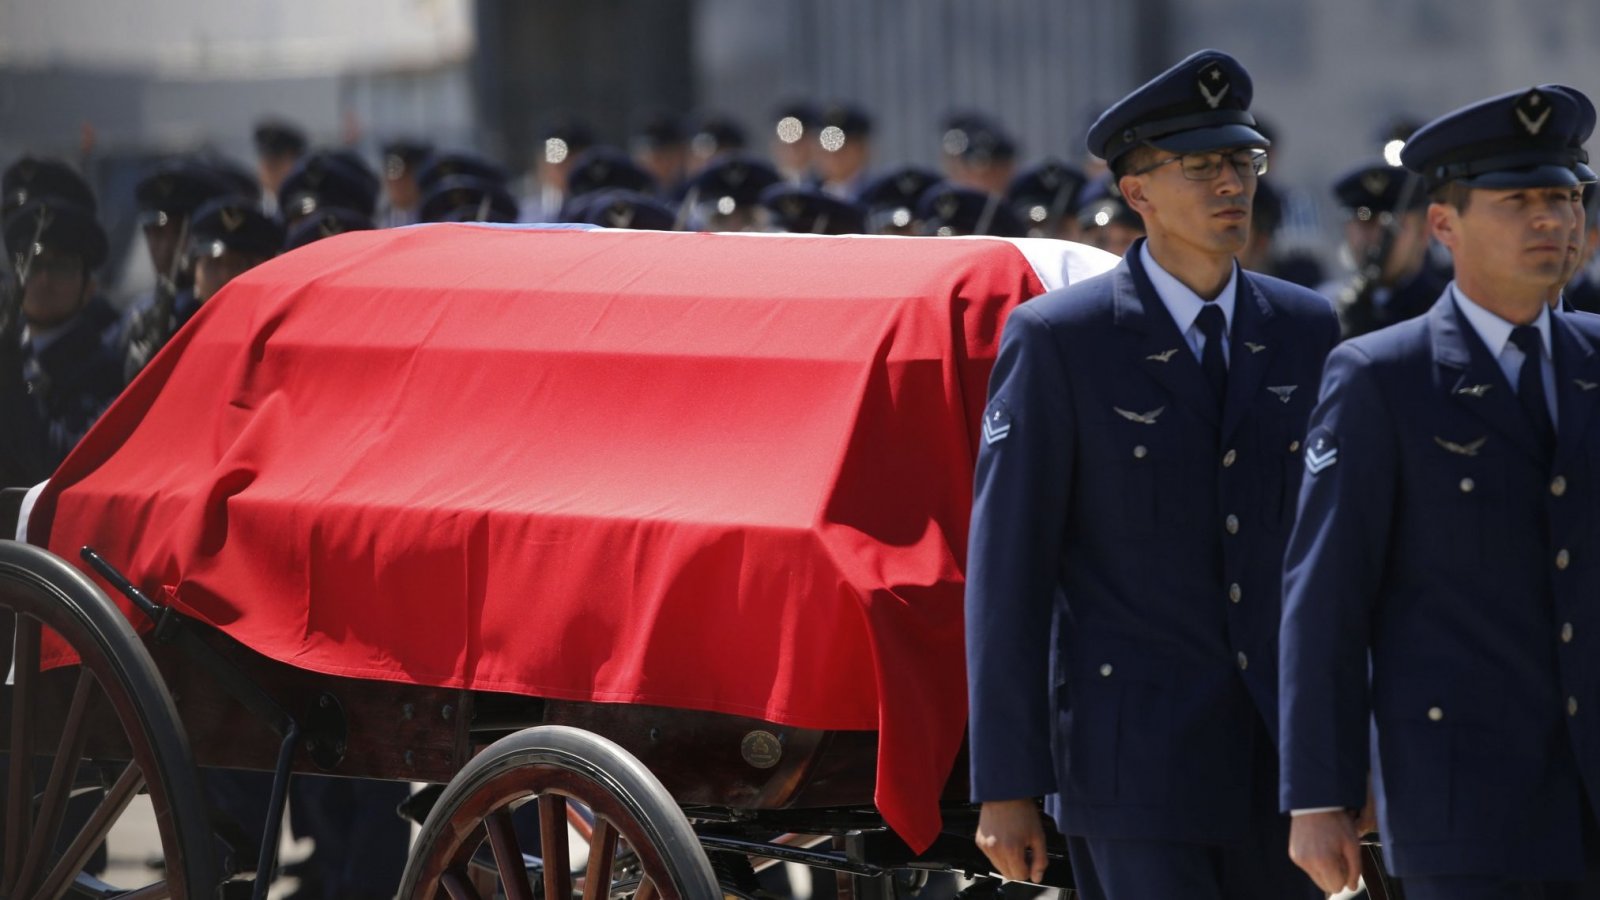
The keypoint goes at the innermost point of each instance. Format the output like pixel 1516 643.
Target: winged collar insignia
pixel 1585 385
pixel 1148 418
pixel 1470 448
pixel 1474 390
pixel 1283 391
pixel 1254 347
pixel 1163 356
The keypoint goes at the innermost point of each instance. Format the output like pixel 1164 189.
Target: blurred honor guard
pixel 402 196
pixel 793 142
pixel 279 145
pixel 601 169
pixel 328 178
pixel 978 153
pixel 1045 197
pixel 891 199
pixel 1583 290
pixel 468 198
pixel 726 195
pixel 1105 220
pixel 70 341
pixel 659 148
pixel 228 237
pixel 325 223
pixel 167 199
pixel 1438 584
pixel 1141 451
pixel 949 210
pixel 561 141
pixel 713 135
pixel 1386 233
pixel 844 149
pixel 804 210
pixel 624 209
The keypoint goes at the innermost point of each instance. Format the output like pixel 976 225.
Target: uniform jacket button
pixel 1558 486
pixel 1244 661
pixel 1228 458
pixel 1467 484
pixel 1105 670
pixel 1572 706
pixel 1139 452
pixel 1232 524
pixel 1566 633
pixel 1435 714
pixel 1563 559
pixel 1235 593
pixel 1294 446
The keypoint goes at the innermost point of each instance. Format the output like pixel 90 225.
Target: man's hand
pixel 1011 835
pixel 1326 846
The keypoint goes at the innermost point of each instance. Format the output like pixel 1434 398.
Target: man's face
pixel 1511 237
pixel 211 273
pixel 57 287
pixel 1211 215
pixel 161 239
pixel 845 163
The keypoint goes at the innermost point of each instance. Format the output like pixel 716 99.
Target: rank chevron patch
pixel 996 423
pixel 1322 451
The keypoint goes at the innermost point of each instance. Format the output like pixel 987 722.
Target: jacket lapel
pixel 1474 379
pixel 1250 352
pixel 1163 353
pixel 1577 387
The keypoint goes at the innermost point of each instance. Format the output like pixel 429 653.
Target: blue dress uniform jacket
pixel 1129 533
pixel 1436 546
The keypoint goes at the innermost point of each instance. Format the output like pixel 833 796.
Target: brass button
pixel 1467 484
pixel 1140 452
pixel 1294 446
pixel 1234 593
pixel 1232 524
pixel 1435 714
pixel 1558 485
pixel 1105 670
pixel 1572 706
pixel 1566 633
pixel 1244 661
pixel 1228 458
pixel 1563 559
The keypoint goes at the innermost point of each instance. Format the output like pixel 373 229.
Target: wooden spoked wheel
pixel 641 846
pixel 56 721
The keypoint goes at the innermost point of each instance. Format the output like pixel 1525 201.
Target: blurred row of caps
pixel 698 174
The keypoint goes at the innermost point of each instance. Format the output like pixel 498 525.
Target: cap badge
pixel 1526 109
pixel 232 219
pixel 793 207
pixel 330 227
pixel 1218 88
pixel 620 215
pixel 948 206
pixel 1375 183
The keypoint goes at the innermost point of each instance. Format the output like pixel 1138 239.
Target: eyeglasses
pixel 1206 166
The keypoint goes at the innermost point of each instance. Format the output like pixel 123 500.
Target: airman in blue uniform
pixel 1135 488
pixel 1440 584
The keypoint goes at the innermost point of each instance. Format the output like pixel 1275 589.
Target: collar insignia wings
pixel 1148 418
pixel 1470 448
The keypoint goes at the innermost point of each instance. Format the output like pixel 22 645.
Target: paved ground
pixel 134 843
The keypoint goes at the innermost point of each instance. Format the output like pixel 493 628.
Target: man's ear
pixel 1444 222
pixel 1132 188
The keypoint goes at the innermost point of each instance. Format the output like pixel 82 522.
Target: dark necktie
pixel 1530 384
pixel 1212 323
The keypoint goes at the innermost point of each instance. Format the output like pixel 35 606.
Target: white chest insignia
pixel 1254 347
pixel 1470 448
pixel 1163 356
pixel 1474 390
pixel 1148 418
pixel 1585 385
pixel 1283 391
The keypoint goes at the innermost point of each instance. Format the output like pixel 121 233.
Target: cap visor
pixel 1214 138
pixel 1536 176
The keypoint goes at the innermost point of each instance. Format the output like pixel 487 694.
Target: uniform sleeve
pixel 1332 574
pixel 1014 558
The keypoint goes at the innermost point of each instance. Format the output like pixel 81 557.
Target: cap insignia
pixel 232 219
pixel 1528 112
pixel 1218 87
pixel 1375 183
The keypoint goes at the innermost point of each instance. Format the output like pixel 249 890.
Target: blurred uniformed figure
pixel 660 148
pixel 621 208
pixel 328 178
pixel 713 134
pixel 726 195
pixel 978 153
pixel 950 210
pixel 891 199
pixel 1265 253
pixel 807 210
pixel 1045 197
pixel 69 349
pixel 402 196
pixel 279 145
pixel 561 141
pixel 227 238
pixel 1386 235
pixel 1583 291
pixel 1133 495
pixel 600 169
pixel 325 223
pixel 167 200
pixel 792 145
pixel 467 197
pixel 843 153
pixel 1105 220
pixel 1440 613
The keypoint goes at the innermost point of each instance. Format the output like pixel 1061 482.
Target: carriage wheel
pixel 116 679
pixel 635 819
